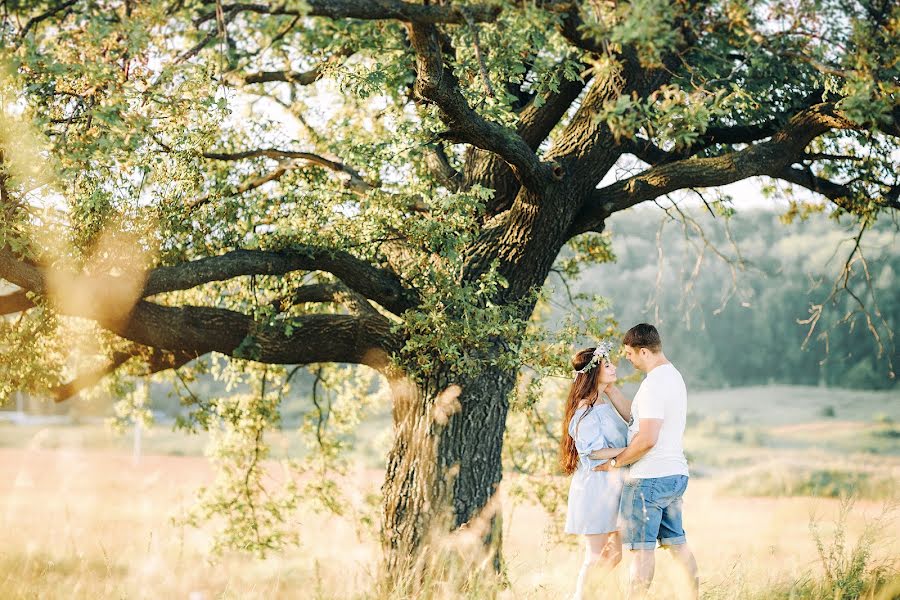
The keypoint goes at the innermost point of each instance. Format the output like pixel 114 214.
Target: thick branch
pixel 727 135
pixel 439 164
pixel 371 282
pixel 536 122
pixel 765 158
pixel 572 27
pixel 368 10
pixel 20 273
pixel 377 284
pixel 436 83
pixel 295 77
pixel 367 338
pixel 587 141
pixel 14 302
pixel 361 339
pixel 335 293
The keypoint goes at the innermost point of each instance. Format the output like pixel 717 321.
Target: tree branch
pixel 368 10
pixel 536 122
pixel 330 293
pixel 571 26
pixel 377 284
pixel 647 151
pixel 380 285
pixel 439 164
pixel 156 360
pixel 41 17
pixel 840 194
pixel 765 158
pixel 727 135
pixel 14 303
pixel 247 186
pixel 436 83
pixel 288 161
pixel 365 339
pixel 295 77
pixel 355 181
pixel 83 381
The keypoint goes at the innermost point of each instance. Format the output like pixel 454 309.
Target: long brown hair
pixel 584 387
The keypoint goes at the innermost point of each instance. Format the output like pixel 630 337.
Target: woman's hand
pixel 619 401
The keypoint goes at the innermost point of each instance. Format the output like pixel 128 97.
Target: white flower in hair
pixel 603 350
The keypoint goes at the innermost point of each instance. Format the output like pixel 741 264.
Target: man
pixel 657 477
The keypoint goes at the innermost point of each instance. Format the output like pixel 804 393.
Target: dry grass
pixel 80 520
pixel 88 524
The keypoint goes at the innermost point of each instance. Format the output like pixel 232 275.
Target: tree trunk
pixel 445 467
pixel 440 509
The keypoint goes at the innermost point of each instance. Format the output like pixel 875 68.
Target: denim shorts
pixel 650 510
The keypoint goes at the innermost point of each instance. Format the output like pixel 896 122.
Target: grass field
pixel 81 519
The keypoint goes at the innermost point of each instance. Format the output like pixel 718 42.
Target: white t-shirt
pixel 662 395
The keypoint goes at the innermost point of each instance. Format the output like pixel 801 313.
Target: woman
pixel 594 429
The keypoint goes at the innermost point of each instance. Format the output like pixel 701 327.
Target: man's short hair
pixel 643 335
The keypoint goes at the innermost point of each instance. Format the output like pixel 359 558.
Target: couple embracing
pixel 627 462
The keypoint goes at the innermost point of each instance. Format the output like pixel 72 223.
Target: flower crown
pixel 602 350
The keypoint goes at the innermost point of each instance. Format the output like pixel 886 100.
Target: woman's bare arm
pixel 606 453
pixel 620 402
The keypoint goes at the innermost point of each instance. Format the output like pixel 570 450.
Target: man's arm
pixel 606 453
pixel 620 401
pixel 640 445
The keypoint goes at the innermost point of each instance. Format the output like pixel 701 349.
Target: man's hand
pixel 604 467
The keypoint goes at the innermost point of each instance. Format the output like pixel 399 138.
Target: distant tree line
pixel 736 319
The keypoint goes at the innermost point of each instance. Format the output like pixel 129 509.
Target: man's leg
pixel 673 539
pixel 643 563
pixel 685 559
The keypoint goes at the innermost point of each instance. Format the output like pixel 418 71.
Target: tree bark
pixel 444 471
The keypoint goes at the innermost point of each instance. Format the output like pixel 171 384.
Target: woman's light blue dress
pixel 594 495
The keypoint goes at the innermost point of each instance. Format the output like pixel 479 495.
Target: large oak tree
pixel 388 183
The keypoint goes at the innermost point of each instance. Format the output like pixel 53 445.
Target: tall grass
pixel 849 571
pixel 844 570
pixel 782 479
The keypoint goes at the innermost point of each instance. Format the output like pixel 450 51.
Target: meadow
pixel 773 467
